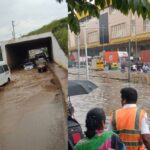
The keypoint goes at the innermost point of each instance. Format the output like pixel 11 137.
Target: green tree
pixel 142 7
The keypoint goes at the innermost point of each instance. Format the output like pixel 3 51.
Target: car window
pixel 6 68
pixel 1 69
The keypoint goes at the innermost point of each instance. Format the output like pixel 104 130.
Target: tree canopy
pixel 141 7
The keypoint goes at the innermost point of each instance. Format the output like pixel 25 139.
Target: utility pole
pixel 103 37
pixel 78 37
pixel 13 27
pixel 129 62
pixel 136 47
pixel 86 54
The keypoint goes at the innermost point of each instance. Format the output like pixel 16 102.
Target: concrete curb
pixel 61 75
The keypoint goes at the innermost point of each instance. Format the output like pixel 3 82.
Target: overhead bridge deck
pixel 15 52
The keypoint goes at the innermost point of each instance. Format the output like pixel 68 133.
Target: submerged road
pixel 32 115
pixel 106 96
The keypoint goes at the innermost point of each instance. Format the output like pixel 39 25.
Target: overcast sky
pixel 28 15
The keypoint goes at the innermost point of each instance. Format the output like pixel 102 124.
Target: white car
pixel 28 66
pixel 5 75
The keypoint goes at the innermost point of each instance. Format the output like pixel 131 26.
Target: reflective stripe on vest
pixel 133 143
pixel 129 133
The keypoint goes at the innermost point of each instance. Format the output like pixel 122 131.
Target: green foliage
pixel 142 7
pixel 60 30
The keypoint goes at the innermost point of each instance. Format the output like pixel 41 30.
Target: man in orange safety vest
pixel 131 122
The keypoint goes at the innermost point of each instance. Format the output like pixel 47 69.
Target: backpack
pixel 75 133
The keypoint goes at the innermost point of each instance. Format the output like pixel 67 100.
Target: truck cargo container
pixel 145 56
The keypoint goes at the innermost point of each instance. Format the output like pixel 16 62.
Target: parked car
pixel 5 75
pixel 28 66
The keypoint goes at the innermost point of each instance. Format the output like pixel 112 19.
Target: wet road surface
pixel 107 95
pixel 32 112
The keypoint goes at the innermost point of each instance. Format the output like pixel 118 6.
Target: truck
pixel 145 56
pixel 114 59
pixel 41 62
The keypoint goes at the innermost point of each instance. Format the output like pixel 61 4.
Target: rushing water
pixel 32 112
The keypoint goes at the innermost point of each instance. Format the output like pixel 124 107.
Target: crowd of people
pixel 140 67
pixel 128 127
pixel 137 67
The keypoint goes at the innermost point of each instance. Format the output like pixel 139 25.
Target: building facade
pixel 112 32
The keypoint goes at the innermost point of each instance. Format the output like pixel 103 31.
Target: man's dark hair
pixel 129 94
pixel 94 121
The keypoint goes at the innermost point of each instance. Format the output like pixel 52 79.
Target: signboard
pixel 122 54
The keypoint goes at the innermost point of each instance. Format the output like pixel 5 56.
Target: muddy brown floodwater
pixel 32 112
pixel 107 96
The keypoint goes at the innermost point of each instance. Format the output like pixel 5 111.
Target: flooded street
pixel 107 95
pixel 32 112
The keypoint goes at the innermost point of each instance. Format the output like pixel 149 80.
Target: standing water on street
pixel 106 96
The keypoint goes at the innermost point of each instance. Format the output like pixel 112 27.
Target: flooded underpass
pixel 32 112
pixel 106 96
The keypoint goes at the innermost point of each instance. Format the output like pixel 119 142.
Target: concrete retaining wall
pixel 58 54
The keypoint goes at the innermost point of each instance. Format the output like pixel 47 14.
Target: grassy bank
pixel 60 30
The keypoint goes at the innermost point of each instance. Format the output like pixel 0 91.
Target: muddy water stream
pixel 31 112
pixel 107 96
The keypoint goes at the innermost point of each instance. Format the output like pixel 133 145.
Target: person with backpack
pixel 96 138
pixel 75 133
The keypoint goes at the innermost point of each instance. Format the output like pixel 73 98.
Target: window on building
pixel 146 25
pixel 81 23
pixel 133 27
pixel 5 68
pixel 93 37
pixel 112 10
pixel 118 30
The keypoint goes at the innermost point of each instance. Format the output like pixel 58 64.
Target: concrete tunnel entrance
pixel 17 53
